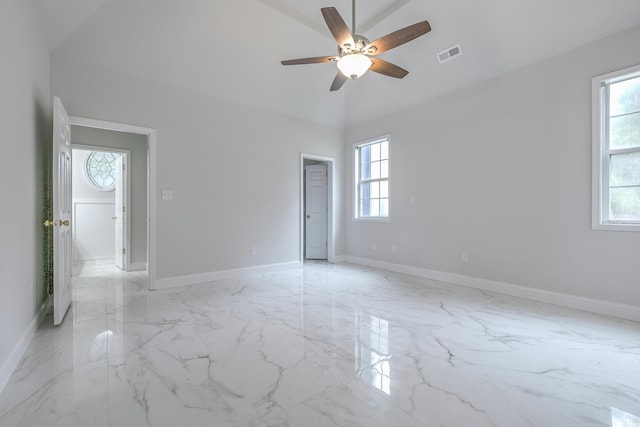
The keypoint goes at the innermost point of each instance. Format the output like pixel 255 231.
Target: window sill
pixel 616 227
pixel 372 219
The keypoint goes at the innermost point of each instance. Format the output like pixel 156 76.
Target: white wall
pixel 234 169
pixel 25 120
pixel 137 145
pixel 502 171
pixel 94 235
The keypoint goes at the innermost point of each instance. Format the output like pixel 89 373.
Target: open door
pixel 316 211
pixel 61 211
pixel 120 215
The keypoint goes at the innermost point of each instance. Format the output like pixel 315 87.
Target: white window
pixel 100 169
pixel 372 179
pixel 616 150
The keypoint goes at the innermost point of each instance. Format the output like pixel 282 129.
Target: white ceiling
pixel 232 48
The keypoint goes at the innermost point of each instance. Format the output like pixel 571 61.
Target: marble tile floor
pixel 329 345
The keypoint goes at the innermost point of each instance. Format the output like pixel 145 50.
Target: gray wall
pixel 234 170
pixel 502 171
pixel 137 176
pixel 25 120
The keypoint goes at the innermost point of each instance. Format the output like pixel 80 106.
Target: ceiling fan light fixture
pixel 355 51
pixel 354 65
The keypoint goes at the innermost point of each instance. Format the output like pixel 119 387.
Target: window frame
pixel 356 179
pixel 89 175
pixel 601 152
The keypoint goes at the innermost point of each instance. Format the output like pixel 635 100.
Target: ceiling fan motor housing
pixel 360 43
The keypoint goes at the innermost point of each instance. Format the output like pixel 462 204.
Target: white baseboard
pixel 138 266
pixel 18 351
pixel 94 259
pixel 613 309
pixel 213 276
pixel 337 259
pixel 134 266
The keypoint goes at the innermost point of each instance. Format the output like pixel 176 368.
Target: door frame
pixel 151 181
pixel 127 197
pixel 331 213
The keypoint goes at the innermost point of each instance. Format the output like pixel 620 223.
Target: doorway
pixel 139 220
pixel 100 200
pixel 61 185
pixel 111 146
pixel 316 208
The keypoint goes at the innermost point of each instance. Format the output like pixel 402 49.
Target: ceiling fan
pixel 356 54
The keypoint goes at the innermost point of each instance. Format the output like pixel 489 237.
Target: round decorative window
pixel 101 170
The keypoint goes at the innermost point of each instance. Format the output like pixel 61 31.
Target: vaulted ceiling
pixel 232 49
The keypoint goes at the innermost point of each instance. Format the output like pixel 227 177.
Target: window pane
pixel 384 169
pixel 624 97
pixel 375 170
pixel 365 171
pixel 374 206
pixel 375 152
pixel 384 150
pixel 101 170
pixel 625 169
pixel 624 131
pixel 365 190
pixel 384 207
pixel 384 189
pixel 625 204
pixel 375 190
pixel 365 154
pixel 365 207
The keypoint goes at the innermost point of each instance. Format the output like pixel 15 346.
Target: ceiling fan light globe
pixel 354 65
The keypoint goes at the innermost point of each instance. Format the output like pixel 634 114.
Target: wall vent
pixel 449 54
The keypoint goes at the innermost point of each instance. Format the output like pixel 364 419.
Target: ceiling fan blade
pixel 314 60
pixel 337 26
pixel 397 38
pixel 338 81
pixel 387 68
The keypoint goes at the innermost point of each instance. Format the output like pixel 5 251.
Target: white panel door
pixel 119 214
pixel 316 211
pixel 61 211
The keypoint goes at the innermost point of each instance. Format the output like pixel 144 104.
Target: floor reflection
pixel 620 418
pixel 100 345
pixel 373 361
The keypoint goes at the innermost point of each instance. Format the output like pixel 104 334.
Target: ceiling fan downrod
pixel 353 17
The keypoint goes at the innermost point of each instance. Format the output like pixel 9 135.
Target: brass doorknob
pixel 114 217
pixel 49 223
pixel 65 222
